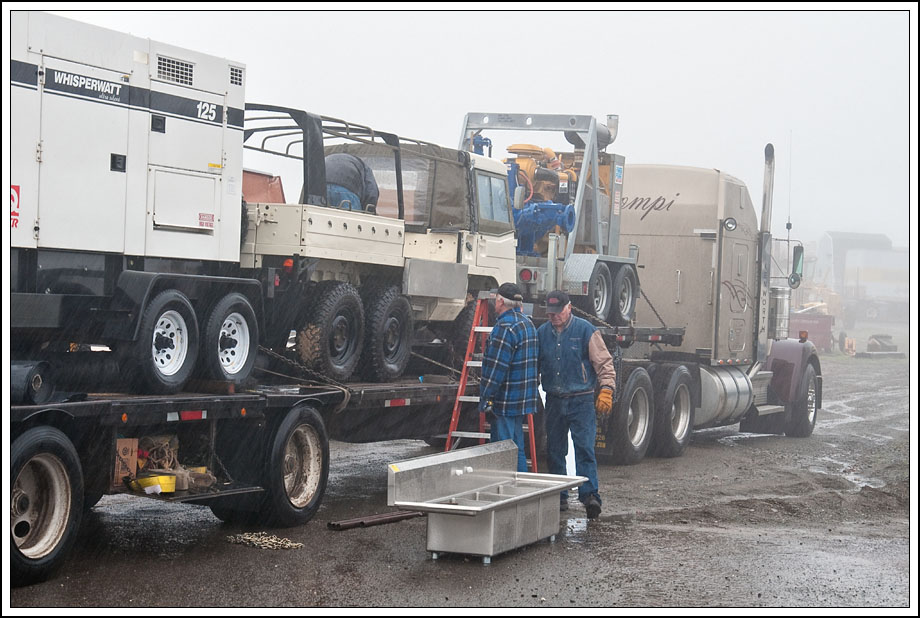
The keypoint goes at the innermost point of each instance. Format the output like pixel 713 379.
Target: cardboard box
pixel 125 460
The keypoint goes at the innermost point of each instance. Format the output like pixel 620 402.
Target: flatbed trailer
pixel 266 448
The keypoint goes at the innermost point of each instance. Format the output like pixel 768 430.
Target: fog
pixel 832 90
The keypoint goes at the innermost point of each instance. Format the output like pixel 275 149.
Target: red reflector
pixel 655 338
pixel 277 280
pixel 395 403
pixel 191 415
pixel 288 265
pixel 526 275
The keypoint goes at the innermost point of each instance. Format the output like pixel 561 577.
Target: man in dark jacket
pixel 350 183
pixel 573 360
pixel 509 370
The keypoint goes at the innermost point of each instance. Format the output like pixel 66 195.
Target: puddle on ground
pixel 576 529
pixel 842 467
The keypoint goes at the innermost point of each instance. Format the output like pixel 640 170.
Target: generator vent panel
pixel 174 70
pixel 236 76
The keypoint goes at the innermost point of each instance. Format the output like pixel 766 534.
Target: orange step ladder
pixel 479 334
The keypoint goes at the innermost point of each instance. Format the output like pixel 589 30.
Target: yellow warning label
pixel 394 468
pixel 214 165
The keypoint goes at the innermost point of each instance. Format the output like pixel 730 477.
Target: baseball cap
pixel 556 301
pixel 510 291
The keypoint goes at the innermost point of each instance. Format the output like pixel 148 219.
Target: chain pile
pixel 263 540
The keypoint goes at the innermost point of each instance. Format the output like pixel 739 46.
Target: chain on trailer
pixel 325 380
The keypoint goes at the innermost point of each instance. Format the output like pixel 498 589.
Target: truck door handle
pixel 678 288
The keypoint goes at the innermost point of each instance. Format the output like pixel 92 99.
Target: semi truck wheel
pixel 629 430
pixel 387 335
pixel 297 470
pixel 166 350
pixel 46 503
pixel 231 339
pixel 803 413
pixel 673 411
pixel 599 298
pixel 625 294
pixel 332 333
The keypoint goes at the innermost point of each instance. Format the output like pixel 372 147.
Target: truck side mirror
pixel 798 260
pixel 798 266
pixel 518 202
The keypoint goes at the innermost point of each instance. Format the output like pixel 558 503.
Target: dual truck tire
pixel 172 344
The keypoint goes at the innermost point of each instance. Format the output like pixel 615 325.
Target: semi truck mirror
pixel 798 260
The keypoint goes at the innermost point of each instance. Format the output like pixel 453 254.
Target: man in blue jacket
pixel 509 370
pixel 573 361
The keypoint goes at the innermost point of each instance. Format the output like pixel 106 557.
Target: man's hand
pixel 604 402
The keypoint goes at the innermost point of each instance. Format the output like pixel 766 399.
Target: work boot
pixel 592 506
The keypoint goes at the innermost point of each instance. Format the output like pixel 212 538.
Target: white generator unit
pixel 122 144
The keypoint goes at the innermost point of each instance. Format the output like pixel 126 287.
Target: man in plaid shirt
pixel 509 370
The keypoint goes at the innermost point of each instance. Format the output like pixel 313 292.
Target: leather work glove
pixel 604 402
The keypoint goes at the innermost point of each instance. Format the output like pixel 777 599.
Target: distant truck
pixel 870 276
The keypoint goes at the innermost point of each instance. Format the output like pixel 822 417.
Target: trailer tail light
pixel 288 266
pixel 526 275
pixel 584 288
pixel 803 336
pixel 187 415
pixel 396 403
pixel 654 338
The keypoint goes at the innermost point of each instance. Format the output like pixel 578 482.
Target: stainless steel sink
pixel 477 502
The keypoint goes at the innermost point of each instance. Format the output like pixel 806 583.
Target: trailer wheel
pixel 298 469
pixel 599 299
pixel 673 411
pixel 629 430
pixel 387 335
pixel 167 346
pixel 46 503
pixel 803 413
pixel 231 339
pixel 332 334
pixel 625 294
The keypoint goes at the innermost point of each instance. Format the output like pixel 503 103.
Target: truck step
pixel 765 410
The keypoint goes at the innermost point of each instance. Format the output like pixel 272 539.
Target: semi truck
pixel 706 267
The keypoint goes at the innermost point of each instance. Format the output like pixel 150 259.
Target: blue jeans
pixel 510 428
pixel 338 196
pixel 575 414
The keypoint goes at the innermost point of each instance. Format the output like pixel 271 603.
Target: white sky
pixel 832 90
